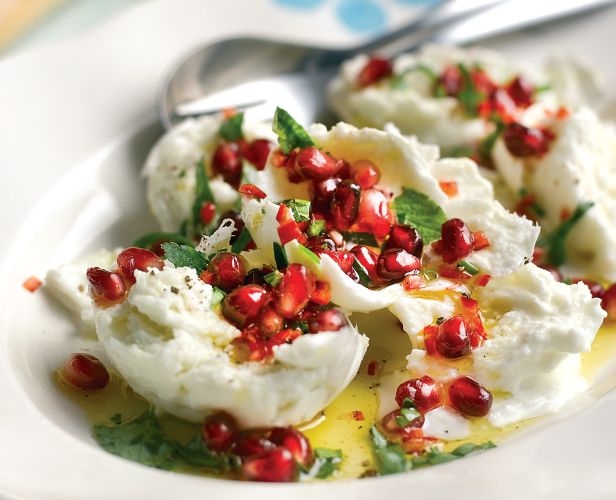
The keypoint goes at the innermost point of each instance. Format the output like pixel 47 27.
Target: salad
pixel 309 282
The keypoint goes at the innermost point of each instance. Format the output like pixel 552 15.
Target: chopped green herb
pixel 273 278
pixel 467 267
pixel 360 238
pixel 555 241
pixel 242 241
pixel 231 129
pixel 290 134
pixel 149 240
pixel 316 227
pixel 203 193
pixel 469 96
pixel 326 463
pixel 116 418
pixel 434 456
pixel 309 253
pixel 143 440
pixel 280 256
pixel 487 143
pixel 389 457
pixel 420 211
pixel 218 296
pixel 184 256
pixel 299 208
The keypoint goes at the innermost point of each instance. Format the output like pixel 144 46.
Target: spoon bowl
pixel 257 75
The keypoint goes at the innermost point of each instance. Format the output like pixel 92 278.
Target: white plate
pixel 76 120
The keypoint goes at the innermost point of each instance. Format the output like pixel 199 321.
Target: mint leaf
pixel 299 208
pixel 469 96
pixel 360 238
pixel 389 457
pixel 435 457
pixel 327 462
pixel 290 134
pixel 195 453
pixel 203 193
pixel 231 129
pixel 140 440
pixel 555 241
pixel 153 239
pixel 420 211
pixel 242 241
pixel 184 256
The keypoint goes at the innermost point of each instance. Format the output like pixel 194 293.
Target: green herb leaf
pixel 231 129
pixel 555 241
pixel 242 241
pixel 469 96
pixel 140 440
pixel 360 238
pixel 273 278
pixel 362 274
pixel 150 240
pixel 327 462
pixel 299 208
pixel 420 211
pixel 184 256
pixel 487 143
pixel 316 227
pixel 218 296
pixel 290 134
pixel 203 193
pixel 467 267
pixel 280 256
pixel 389 457
pixel 195 453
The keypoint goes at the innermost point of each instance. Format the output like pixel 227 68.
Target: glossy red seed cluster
pixel 522 141
pixel 273 314
pixel 269 455
pixel 227 160
pixel 376 69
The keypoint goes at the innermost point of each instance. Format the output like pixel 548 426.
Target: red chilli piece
pixel 219 431
pixel 375 70
pixel 32 284
pixel 106 287
pixel 135 258
pixel 293 291
pixel 470 398
pixel 85 372
pixel 252 191
pixel 424 392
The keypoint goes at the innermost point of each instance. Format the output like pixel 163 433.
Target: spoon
pixel 256 75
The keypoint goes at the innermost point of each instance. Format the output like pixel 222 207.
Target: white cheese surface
pixel 173 349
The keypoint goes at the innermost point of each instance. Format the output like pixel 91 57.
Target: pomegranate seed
pixel 219 431
pixel 345 205
pixel 482 81
pixel 295 442
pixel 391 423
pixel 344 260
pixel 521 91
pixel 396 263
pixel 243 305
pixel 106 286
pixel 470 398
pixel 365 173
pixel 137 258
pixel 368 259
pixel 456 240
pixel 608 302
pixel 498 102
pixel 251 443
pixel 312 163
pixel 451 81
pixel 452 340
pixel 227 162
pixel 257 151
pixel 330 320
pixel 424 392
pixel 85 372
pixel 252 191
pixel 207 212
pixel 227 270
pixel 376 69
pixel 270 322
pixel 274 466
pixel 524 141
pixel 322 293
pixel 374 214
pixel 322 193
pixel 294 290
pixel 320 244
pixel 405 237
